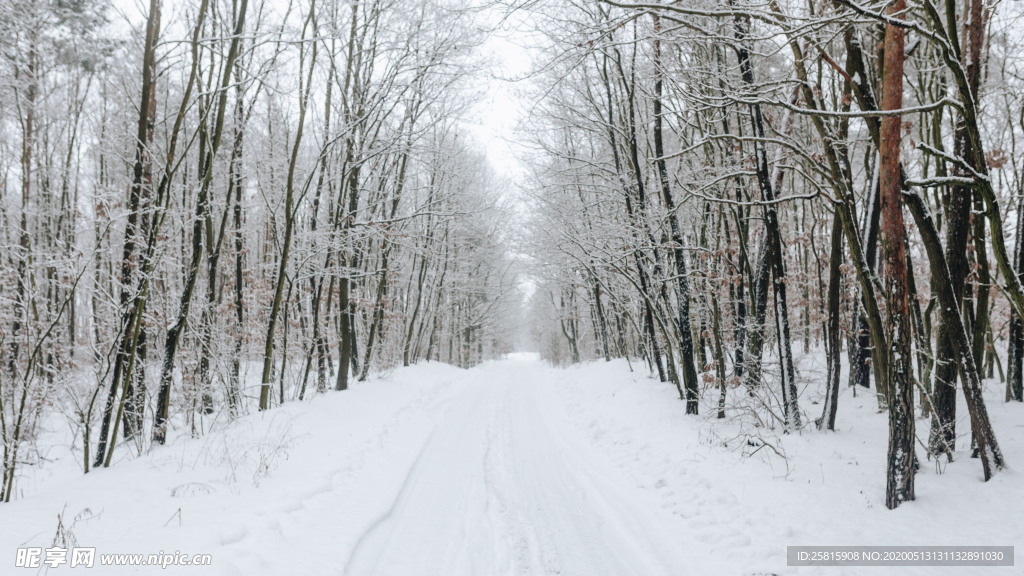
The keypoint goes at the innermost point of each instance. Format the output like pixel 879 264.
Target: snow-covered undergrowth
pixel 745 504
pixel 297 489
pixel 321 470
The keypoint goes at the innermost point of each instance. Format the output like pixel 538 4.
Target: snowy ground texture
pixel 516 468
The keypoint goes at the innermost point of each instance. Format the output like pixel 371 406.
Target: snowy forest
pixel 230 186
pixel 798 223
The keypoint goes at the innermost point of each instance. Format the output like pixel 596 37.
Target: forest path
pixel 502 487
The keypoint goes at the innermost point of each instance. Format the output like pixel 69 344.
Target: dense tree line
pixel 233 205
pixel 720 183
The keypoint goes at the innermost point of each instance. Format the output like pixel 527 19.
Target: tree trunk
pixel 773 234
pixel 192 273
pixel 719 355
pixel 137 195
pixel 831 403
pixel 860 370
pixel 991 455
pixel 984 283
pixel 289 214
pixel 1015 344
pixel 690 383
pixel 901 456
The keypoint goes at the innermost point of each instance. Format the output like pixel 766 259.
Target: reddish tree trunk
pixel 900 461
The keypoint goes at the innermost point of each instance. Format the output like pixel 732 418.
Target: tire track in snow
pixel 497 490
pixel 337 499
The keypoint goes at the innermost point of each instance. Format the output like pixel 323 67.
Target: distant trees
pixel 53 61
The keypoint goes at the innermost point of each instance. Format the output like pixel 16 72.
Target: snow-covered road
pixel 501 488
pixel 430 471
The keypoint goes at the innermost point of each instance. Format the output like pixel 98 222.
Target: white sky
pixel 496 115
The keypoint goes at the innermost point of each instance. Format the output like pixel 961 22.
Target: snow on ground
pixel 829 489
pixel 515 467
